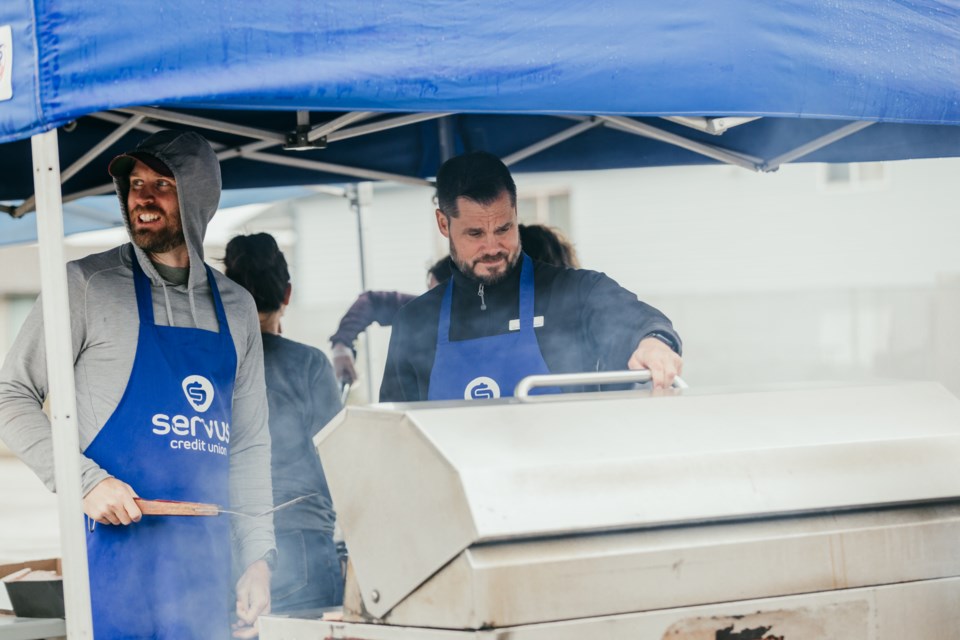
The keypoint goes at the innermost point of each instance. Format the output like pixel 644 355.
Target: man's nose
pixel 490 243
pixel 143 195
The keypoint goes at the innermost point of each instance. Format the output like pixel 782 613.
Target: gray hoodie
pixel 104 326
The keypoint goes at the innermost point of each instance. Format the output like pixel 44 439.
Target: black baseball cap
pixel 122 165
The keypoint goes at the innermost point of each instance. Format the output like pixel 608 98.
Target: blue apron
pixel 168 577
pixel 488 367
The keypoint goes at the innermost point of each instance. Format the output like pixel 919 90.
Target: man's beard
pixel 469 269
pixel 161 240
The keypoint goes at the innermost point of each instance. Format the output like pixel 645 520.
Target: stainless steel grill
pixel 623 515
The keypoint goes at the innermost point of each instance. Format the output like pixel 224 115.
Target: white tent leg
pixel 360 196
pixel 63 404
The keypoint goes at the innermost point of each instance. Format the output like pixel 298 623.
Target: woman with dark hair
pixel 302 397
pixel 548 244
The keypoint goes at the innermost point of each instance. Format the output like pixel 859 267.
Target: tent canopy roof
pixel 569 85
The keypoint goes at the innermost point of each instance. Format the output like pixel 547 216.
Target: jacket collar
pixel 510 282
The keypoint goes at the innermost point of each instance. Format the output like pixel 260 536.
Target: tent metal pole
pixel 28 205
pixel 336 124
pixel 383 125
pixel 553 140
pixel 445 133
pixel 314 165
pixel 713 126
pixel 63 403
pixel 360 197
pixel 723 155
pixel 208 123
pixel 115 118
pixel 100 147
pixel 238 152
pixel 814 145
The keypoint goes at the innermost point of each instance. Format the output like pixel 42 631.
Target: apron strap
pixel 218 303
pixel 526 295
pixel 142 286
pixel 443 327
pixel 526 303
pixel 145 298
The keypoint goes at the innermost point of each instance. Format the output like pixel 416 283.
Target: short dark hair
pixel 478 176
pixel 256 263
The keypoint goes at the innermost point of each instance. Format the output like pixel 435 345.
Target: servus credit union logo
pixel 482 388
pixel 207 434
pixel 199 392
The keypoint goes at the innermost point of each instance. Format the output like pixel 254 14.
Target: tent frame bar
pixel 713 126
pixel 325 129
pixel 207 123
pixel 100 147
pixel 326 167
pixel 815 144
pixel 552 141
pixel 339 129
pixel 84 160
pixel 383 125
pixel 723 155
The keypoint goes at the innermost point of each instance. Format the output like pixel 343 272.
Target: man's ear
pixel 443 223
pixel 286 294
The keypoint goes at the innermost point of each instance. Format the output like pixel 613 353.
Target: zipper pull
pixel 483 303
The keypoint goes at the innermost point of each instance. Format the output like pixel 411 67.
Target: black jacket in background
pixel 590 322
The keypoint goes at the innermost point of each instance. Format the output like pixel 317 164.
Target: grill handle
pixel 592 377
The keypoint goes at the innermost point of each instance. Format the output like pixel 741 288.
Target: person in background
pixel 502 316
pixel 548 245
pixel 171 404
pixel 302 395
pixel 370 307
pixel 540 242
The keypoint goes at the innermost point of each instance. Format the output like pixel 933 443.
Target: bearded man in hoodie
pixel 171 404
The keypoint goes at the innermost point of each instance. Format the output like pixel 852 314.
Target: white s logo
pixel 482 388
pixel 199 392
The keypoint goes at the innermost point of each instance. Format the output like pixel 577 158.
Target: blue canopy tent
pixel 299 92
pixel 386 91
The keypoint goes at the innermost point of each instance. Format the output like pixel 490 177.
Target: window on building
pixel 854 176
pixel 547 207
pixel 13 311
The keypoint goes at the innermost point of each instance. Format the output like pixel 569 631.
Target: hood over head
pixel 192 162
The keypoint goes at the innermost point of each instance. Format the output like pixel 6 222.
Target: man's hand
pixel 663 363
pixel 343 364
pixel 111 502
pixel 253 599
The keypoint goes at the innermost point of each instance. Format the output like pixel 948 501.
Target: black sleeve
pixel 369 307
pixel 615 320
